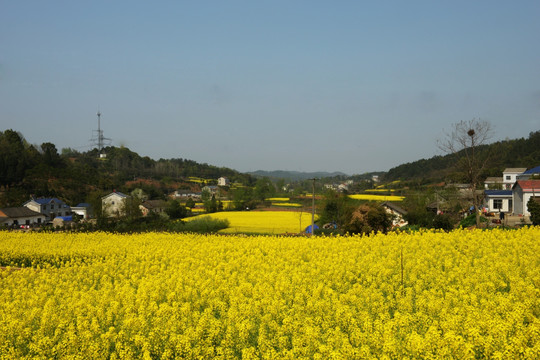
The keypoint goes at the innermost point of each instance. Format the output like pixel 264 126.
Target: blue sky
pixel 352 86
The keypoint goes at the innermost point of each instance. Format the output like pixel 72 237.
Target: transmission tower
pixel 99 140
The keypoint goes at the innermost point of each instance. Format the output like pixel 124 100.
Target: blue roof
pixel 86 205
pixel 65 218
pixel 43 201
pixel 498 192
pixel 534 170
pixel 308 229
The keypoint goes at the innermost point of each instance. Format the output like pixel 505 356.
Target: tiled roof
pixel 529 185
pixel 152 204
pixel 116 193
pixel 394 207
pixel 43 201
pixel 16 212
pixel 534 170
pixel 515 170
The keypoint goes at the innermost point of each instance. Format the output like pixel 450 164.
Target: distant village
pixel 504 197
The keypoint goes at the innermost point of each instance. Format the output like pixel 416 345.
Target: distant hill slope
pixel 295 175
pixel 505 154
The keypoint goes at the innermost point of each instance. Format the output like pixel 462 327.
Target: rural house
pixel 510 176
pixel 499 201
pixel 114 204
pixel 154 206
pixel 396 212
pixel 50 207
pixel 223 181
pixel 22 215
pixel 83 209
pixel 534 172
pixel 522 191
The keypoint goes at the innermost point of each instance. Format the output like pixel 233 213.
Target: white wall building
pixel 498 201
pixel 21 216
pixel 114 204
pixel 50 207
pixel 510 177
pixel 522 191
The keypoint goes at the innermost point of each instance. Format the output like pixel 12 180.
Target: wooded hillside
pixel 523 153
pixel 27 170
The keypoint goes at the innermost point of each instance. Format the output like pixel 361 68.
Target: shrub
pixel 204 224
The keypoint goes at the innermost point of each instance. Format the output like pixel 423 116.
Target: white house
pixel 522 191
pixel 50 207
pixel 21 216
pixel 223 181
pixel 396 212
pixel 510 176
pixel 498 201
pixel 114 203
pixel 83 209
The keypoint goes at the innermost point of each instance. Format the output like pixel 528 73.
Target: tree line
pixel 41 170
pixel 523 152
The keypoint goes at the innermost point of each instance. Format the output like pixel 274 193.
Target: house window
pixel 510 205
pixel 52 206
pixel 39 220
pixel 44 207
pixel 508 177
pixel 497 204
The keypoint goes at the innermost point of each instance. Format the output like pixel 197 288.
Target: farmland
pixel 265 222
pixel 464 294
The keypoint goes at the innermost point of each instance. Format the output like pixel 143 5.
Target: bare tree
pixel 463 140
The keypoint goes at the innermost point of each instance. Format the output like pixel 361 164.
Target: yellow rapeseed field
pixel 371 197
pixel 426 295
pixel 265 222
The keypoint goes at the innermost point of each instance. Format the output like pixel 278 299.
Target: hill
pixel 296 175
pixel 29 170
pixel 524 152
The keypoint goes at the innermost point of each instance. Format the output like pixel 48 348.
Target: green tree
pixel 367 218
pixel 16 157
pixel 264 188
pixel 336 208
pixel 130 209
pixel 211 205
pixel 190 203
pixel 534 208
pixel 175 210
pixel 50 155
pixel 242 198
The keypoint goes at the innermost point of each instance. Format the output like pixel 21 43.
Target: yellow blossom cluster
pixel 372 197
pixel 464 294
pixel 280 199
pixel 287 204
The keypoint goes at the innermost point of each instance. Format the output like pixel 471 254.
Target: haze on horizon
pixel 283 85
